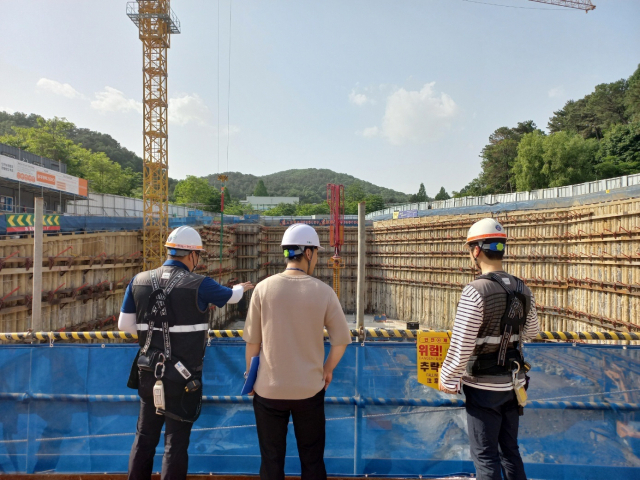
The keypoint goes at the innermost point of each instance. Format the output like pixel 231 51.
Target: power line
pixel 229 90
pixel 514 6
pixel 218 104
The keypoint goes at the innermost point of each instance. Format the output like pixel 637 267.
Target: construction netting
pixel 66 409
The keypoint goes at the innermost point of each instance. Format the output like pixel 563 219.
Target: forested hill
pixel 94 141
pixel 310 184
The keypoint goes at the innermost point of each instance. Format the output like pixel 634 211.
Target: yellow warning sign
pixel 432 350
pixel 396 215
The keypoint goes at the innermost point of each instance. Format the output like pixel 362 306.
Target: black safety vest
pixel 483 360
pixel 188 325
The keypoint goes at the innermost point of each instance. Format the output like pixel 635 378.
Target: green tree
pixel 592 115
pixel 475 188
pixel 499 155
pixel 373 203
pixel 529 163
pixel 16 119
pixel 442 194
pixel 619 152
pixel 198 193
pixel 632 97
pixel 227 195
pixel 562 158
pixel 48 139
pixel 355 192
pixel 312 209
pixel 568 159
pixel 260 190
pixel 282 210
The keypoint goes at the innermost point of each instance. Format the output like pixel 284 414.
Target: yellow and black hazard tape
pixel 369 332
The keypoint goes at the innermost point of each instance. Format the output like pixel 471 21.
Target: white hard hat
pixel 486 229
pixel 301 235
pixel 184 238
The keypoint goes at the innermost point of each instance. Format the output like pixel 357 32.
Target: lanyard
pixel 299 269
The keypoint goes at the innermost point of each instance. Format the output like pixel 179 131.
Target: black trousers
pixel 272 421
pixel 492 420
pixel 176 442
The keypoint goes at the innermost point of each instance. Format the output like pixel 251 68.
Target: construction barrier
pixel 67 410
pixel 368 332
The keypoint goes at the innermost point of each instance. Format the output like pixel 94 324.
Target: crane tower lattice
pixel 156 22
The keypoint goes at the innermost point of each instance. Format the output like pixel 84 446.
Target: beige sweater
pixel 287 315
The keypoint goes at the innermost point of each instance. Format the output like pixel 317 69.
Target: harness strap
pixel 508 329
pixel 180 419
pixel 173 281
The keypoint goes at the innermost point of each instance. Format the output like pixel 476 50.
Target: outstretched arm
pixel 238 291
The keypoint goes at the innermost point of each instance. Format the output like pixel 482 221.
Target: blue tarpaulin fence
pixel 66 409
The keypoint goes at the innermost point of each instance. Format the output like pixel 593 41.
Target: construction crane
pixel 335 199
pixel 585 5
pixel 156 22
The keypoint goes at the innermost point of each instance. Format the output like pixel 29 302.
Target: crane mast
pixel 156 22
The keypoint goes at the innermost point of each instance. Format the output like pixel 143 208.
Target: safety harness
pixel 154 360
pixel 512 322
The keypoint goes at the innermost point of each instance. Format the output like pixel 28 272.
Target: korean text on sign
pixel 432 349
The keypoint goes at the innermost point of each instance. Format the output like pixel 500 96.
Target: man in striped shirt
pixel 473 364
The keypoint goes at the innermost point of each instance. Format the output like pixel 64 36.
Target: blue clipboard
pixel 251 377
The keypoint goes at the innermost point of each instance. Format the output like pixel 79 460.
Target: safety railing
pixel 374 333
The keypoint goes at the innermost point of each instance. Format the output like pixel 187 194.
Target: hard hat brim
pixel 180 246
pixel 475 238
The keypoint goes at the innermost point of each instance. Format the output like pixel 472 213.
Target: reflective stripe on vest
pixel 178 328
pixel 495 340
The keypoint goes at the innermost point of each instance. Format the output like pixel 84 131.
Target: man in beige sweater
pixel 287 316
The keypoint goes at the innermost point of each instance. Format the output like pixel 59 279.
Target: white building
pixel 265 203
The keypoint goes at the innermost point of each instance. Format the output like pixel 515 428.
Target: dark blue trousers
pixel 492 421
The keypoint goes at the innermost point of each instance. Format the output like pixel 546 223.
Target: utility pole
pixel 36 306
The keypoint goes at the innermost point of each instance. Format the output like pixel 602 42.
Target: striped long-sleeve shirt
pixel 468 320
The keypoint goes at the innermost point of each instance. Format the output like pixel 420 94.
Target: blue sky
pixel 393 92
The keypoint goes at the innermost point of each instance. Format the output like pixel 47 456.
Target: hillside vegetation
pixel 595 137
pixel 310 184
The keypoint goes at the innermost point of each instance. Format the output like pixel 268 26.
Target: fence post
pixel 360 286
pixel 36 310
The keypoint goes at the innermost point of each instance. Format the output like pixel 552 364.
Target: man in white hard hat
pixel 169 310
pixel 288 314
pixel 496 313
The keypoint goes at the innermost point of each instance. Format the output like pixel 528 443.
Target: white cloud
pixel 58 88
pixel 359 99
pixel 188 108
pixel 556 92
pixel 371 132
pixel 417 116
pixel 112 100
